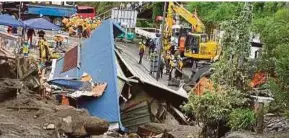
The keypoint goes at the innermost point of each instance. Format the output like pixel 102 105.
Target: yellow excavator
pixel 194 44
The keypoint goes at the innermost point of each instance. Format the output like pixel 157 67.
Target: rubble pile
pixel 276 124
pixel 27 112
pixel 172 131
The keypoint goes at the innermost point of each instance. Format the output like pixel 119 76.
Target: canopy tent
pixel 40 23
pixel 8 20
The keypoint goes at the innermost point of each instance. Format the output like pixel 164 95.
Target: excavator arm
pixel 187 15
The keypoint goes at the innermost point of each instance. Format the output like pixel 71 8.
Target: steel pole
pixel 161 41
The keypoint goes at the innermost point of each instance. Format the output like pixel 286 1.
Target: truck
pixel 51 11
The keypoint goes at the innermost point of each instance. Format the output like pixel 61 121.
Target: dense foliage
pixel 241 119
pixel 230 75
pixel 274 32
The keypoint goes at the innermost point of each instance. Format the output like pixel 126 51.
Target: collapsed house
pixel 131 97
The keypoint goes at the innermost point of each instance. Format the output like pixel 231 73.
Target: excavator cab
pixel 197 46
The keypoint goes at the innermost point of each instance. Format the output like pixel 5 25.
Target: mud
pixel 28 114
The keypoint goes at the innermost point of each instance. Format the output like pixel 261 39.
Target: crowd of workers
pixel 79 26
pixel 170 60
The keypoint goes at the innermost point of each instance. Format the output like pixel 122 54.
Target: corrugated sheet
pixel 142 73
pixel 120 75
pixel 136 116
pixel 70 59
pixel 124 16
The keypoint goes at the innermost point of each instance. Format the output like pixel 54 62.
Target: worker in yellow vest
pixel 43 50
pixel 25 49
pixel 141 51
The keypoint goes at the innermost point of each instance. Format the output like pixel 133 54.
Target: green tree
pixel 213 13
pixel 230 75
pixel 233 66
pixel 275 58
pixel 157 8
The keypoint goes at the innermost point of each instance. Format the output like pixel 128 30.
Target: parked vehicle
pixel 52 11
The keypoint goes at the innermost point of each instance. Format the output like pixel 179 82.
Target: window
pixel 203 38
pixel 71 59
pixel 85 11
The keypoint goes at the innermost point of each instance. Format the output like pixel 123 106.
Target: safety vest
pixel 25 49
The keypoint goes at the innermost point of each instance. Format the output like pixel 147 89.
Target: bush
pixel 241 119
pixel 209 108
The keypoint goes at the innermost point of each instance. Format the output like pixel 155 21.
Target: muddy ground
pixel 29 115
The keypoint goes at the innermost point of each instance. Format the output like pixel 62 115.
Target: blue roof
pixel 97 58
pixel 8 20
pixel 40 23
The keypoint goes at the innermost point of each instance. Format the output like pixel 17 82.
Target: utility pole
pixel 19 14
pixel 161 41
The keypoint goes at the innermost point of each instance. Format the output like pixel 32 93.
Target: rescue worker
pixel 30 34
pixel 25 49
pixel 168 59
pixel 79 30
pixel 58 39
pixel 178 71
pixel 71 31
pixel 151 46
pixel 41 34
pixel 141 51
pixel 88 29
pixel 162 65
pixel 9 30
pixel 173 63
pixel 84 33
pixel 154 61
pixel 43 51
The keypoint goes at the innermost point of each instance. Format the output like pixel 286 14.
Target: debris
pixel 67 119
pixel 276 124
pixel 50 127
pixel 22 107
pixel 175 131
pixel 8 89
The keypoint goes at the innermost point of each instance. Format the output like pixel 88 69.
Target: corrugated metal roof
pixel 140 72
pixel 136 116
pixel 120 74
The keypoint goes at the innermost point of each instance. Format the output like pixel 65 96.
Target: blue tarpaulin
pixel 40 23
pixel 97 58
pixel 8 20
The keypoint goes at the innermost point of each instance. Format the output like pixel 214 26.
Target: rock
pixel 133 135
pixel 95 126
pixel 176 131
pixel 80 131
pixel 239 135
pixel 67 119
pixel 50 127
pixel 102 136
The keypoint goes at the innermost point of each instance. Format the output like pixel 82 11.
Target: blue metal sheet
pixel 97 58
pixel 72 84
pixel 51 10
